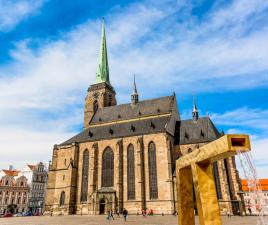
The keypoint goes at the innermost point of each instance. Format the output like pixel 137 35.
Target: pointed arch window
pixel 62 198
pixel 130 173
pixel 152 171
pixel 84 183
pixel 108 168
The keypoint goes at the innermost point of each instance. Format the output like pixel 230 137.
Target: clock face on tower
pixel 95 95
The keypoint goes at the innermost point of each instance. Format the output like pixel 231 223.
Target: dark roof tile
pixel 127 111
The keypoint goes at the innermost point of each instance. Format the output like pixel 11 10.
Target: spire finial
pixel 134 86
pixel 195 111
pixel 102 74
pixel 135 95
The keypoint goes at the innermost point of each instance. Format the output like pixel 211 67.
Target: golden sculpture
pixel 195 169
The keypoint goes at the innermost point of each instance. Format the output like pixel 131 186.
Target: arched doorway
pixel 102 206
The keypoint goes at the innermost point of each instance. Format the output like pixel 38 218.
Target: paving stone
pixel 99 220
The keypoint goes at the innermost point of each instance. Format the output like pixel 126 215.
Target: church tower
pixel 101 93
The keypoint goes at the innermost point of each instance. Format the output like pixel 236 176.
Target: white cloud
pixel 246 120
pixel 12 12
pixel 254 119
pixel 42 90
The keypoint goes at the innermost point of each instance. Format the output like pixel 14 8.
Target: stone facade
pixel 98 96
pixel 66 175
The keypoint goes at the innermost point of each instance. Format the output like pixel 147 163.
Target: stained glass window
pixel 152 171
pixel 108 168
pixel 84 183
pixel 130 172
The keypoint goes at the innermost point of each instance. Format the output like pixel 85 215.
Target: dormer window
pixel 158 110
pixel 186 135
pixel 90 134
pixel 152 125
pixel 202 134
pixel 119 116
pixel 133 128
pixel 111 131
pixel 100 119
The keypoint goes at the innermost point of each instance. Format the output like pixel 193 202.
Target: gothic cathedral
pixel 125 156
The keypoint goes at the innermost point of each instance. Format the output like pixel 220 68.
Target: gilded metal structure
pixel 195 169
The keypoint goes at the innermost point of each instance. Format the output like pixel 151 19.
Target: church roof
pixel 145 108
pixel 150 116
pixel 201 130
pixel 158 115
pixel 118 130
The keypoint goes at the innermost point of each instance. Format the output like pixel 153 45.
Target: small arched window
pixel 6 182
pixel 62 198
pixel 108 168
pixel 152 171
pixel 84 184
pixel 130 173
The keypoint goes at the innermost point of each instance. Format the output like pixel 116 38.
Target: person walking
pixel 111 214
pixel 117 213
pixel 108 215
pixel 249 210
pixel 125 214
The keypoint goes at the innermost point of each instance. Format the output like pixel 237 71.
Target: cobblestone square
pixel 99 220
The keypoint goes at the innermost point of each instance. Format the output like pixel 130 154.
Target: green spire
pixel 102 74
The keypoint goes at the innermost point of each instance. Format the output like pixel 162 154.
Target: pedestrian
pixel 249 210
pixel 117 213
pixel 111 214
pixel 125 214
pixel 229 214
pixel 143 212
pixel 108 215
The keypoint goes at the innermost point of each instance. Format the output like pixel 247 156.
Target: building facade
pixel 14 192
pixel 125 156
pixel 252 201
pixel 37 181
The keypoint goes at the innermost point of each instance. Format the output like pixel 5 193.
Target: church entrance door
pixel 102 206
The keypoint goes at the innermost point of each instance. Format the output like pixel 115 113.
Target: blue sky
pixel 214 50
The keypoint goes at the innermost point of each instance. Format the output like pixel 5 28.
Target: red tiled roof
pixel 263 184
pixel 11 173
